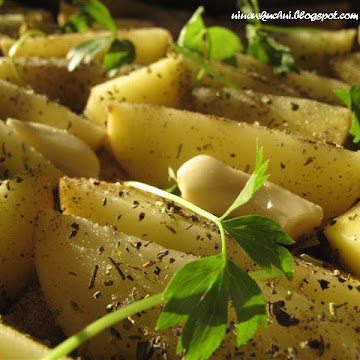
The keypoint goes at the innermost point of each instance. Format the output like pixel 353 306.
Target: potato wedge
pixel 52 78
pixel 17 157
pixel 146 140
pixel 307 298
pixel 301 117
pixel 243 78
pixel 15 345
pixel 18 103
pixel 307 84
pixel 67 152
pixel 162 83
pixel 312 49
pixel 343 236
pixel 71 260
pixel 20 200
pixel 346 68
pixel 151 44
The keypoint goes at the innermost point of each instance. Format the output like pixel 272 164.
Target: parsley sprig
pixel 264 47
pixel 119 52
pixel 351 98
pixel 198 295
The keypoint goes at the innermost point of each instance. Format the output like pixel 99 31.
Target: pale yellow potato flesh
pixel 347 68
pixel 151 44
pixel 162 83
pixel 312 49
pixel 17 157
pixel 306 83
pixel 52 78
pixel 15 345
pixel 344 237
pixel 203 175
pixel 307 298
pixel 301 117
pixel 22 104
pixel 67 152
pixel 20 200
pixel 67 250
pixel 146 140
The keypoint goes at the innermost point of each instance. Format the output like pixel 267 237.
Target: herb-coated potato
pixel 22 104
pixel 15 345
pixel 307 84
pixel 147 139
pixel 302 117
pixel 68 249
pixel 347 68
pixel 343 236
pixel 241 77
pixel 312 49
pixel 162 83
pixel 150 43
pixel 67 152
pixel 17 156
pixel 52 78
pixel 20 200
pixel 299 311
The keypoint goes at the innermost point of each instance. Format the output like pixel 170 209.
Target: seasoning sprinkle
pixel 117 267
pixel 93 276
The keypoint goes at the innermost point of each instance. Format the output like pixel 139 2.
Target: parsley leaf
pixel 199 294
pixel 214 43
pixel 255 182
pixel 248 301
pixel 121 52
pixel 192 34
pixel 249 7
pixel 78 22
pixel 266 49
pixel 85 52
pixel 174 189
pixel 100 13
pixel 351 98
pixel 261 238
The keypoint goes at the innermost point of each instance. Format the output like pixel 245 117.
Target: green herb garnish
pixel 198 295
pixel 351 98
pixel 119 52
pixel 264 47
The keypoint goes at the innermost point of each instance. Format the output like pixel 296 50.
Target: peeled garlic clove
pixel 67 152
pixel 213 186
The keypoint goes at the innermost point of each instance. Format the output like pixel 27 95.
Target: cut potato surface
pixel 20 200
pixel 17 157
pixel 302 117
pixel 307 84
pixel 18 103
pixel 306 300
pixel 151 44
pixel 312 49
pixel 204 175
pixel 343 234
pixel 68 249
pixel 162 83
pixel 146 140
pixel 15 345
pixel 347 68
pixel 67 152
pixel 52 78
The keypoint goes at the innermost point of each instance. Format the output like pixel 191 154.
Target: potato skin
pixel 146 140
pixel 20 200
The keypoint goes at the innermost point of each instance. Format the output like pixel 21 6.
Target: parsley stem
pixel 99 325
pixel 223 239
pixel 172 197
pixel 17 45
